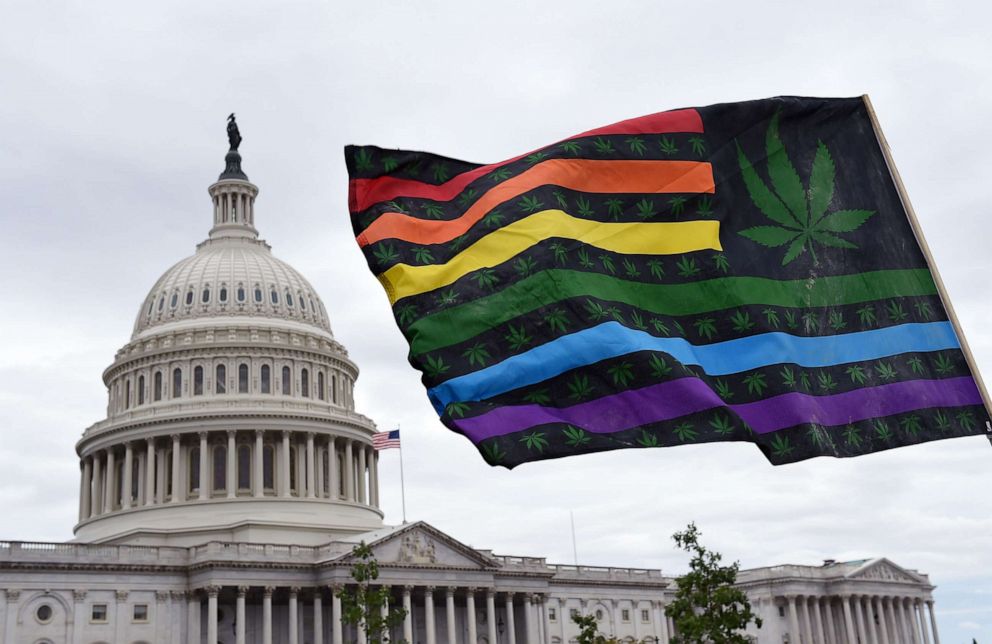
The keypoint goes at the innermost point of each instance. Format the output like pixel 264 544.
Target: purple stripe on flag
pixel 677 398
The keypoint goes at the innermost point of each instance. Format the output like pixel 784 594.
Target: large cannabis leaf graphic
pixel 801 215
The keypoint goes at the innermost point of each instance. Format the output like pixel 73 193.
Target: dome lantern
pixel 233 194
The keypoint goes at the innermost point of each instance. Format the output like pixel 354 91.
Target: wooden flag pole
pixel 918 232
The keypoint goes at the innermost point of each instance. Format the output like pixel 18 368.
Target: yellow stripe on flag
pixel 662 238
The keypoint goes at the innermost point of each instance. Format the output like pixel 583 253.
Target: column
pixel 321 492
pixel 96 500
pixel 338 636
pixel 349 472
pixel 294 626
pixel 240 616
pixel 150 472
pixel 193 618
pixel 408 618
pixel 267 615
pixel 212 614
pixel 899 631
pixel 449 611
pixel 318 617
pixel 828 617
pixel 374 485
pixel 127 484
pixel 258 477
pixel 429 614
pixel 491 614
pixel 880 608
pixel 86 490
pixel 311 461
pixel 232 465
pixel 920 619
pixel 362 475
pixel 384 612
pixel 804 614
pixel 793 619
pixel 848 619
pixel 470 617
pixel 109 487
pixel 204 466
pixel 862 622
pixel 909 606
pixel 332 471
pixel 284 474
pixel 177 483
pixel 529 619
pixel 933 622
pixel 511 629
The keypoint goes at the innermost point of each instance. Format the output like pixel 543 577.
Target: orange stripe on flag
pixel 585 175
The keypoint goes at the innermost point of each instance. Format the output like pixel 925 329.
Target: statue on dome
pixel 233 134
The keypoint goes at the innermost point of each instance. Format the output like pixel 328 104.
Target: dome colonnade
pixel 230 411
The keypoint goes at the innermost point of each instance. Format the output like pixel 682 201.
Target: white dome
pixel 231 277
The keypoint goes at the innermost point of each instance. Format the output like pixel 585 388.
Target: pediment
pixel 420 544
pixel 883 570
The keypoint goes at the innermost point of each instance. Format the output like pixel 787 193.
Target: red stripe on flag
pixel 363 193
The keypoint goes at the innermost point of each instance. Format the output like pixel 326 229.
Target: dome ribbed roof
pixel 231 277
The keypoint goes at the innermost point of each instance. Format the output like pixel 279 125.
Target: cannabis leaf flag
pixel 738 272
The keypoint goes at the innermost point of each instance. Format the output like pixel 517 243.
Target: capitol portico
pixel 222 496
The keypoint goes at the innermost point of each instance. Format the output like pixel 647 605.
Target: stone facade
pixel 221 498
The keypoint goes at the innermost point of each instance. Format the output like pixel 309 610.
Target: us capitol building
pixel 221 498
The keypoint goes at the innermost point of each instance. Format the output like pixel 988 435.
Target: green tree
pixel 707 608
pixel 589 631
pixel 363 604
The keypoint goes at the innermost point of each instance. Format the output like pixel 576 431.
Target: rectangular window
pixel 645 616
pixel 552 615
pixel 140 613
pixel 573 613
pixel 625 615
pixel 98 613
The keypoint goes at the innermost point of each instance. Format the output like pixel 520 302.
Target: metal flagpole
pixel 575 551
pixel 402 482
pixel 914 223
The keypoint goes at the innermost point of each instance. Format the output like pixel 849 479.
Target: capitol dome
pixel 230 411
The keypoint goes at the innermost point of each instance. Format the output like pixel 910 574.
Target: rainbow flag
pixel 738 272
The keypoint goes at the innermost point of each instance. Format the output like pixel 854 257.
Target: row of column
pixel 233 204
pixel 863 619
pixel 163 471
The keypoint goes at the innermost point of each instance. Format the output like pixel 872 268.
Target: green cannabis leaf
pixel 801 215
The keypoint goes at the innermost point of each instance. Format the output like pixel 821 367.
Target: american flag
pixel 386 440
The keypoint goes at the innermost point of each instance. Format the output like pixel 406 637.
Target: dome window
pixel 241 293
pixel 221 380
pixel 141 390
pixel 174 301
pixel 189 297
pixel 289 299
pixel 320 385
pixel 258 295
pixel 161 303
pixel 177 382
pixel 223 294
pixel 198 381
pixel 303 302
pixel 312 306
pixel 286 381
pixel 266 379
pixel 274 296
pixel 157 386
pixel 244 468
pixel 151 306
pixel 44 614
pixel 243 378
pixel 206 295
pixel 305 383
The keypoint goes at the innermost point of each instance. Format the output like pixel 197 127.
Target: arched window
pixel 292 468
pixel 220 468
pixel 320 385
pixel 268 464
pixel 221 380
pixel 177 382
pixel 222 294
pixel 340 471
pixel 334 389
pixel 274 296
pixel 206 294
pixel 135 478
pixel 286 381
pixel 244 468
pixel 326 462
pixel 198 381
pixel 174 301
pixel 161 303
pixel 157 386
pixel 303 302
pixel 258 294
pixel 289 298
pixel 167 459
pixel 242 378
pixel 266 379
pixel 305 382
pixel 189 297
pixel 141 390
pixel 194 469
pixel 127 394
pixel 241 293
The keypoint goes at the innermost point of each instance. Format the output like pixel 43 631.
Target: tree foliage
pixel 362 604
pixel 707 608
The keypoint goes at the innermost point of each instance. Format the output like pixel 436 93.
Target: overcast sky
pixel 112 127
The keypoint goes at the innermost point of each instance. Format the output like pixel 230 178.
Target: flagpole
pixel 575 550
pixel 918 232
pixel 402 482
